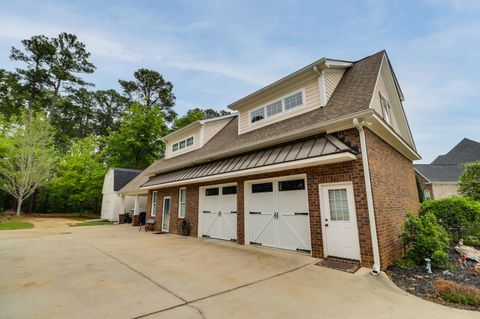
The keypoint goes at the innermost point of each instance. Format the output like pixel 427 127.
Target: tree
pixel 109 108
pixel 70 59
pixel 470 181
pixel 211 113
pixel 27 161
pixel 38 52
pixel 137 143
pixel 80 174
pixel 151 90
pixel 11 94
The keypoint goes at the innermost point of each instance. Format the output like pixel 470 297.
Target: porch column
pixel 136 206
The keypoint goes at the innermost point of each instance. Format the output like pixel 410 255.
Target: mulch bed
pixel 416 281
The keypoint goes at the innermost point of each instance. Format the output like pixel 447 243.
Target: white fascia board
pixel 322 160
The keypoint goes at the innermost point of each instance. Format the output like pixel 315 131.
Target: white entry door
pixel 339 221
pixel 278 214
pixel 166 213
pixel 219 211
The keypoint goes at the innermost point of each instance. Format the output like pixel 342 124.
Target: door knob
pixel 326 225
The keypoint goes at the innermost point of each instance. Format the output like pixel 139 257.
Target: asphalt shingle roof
pixel 122 176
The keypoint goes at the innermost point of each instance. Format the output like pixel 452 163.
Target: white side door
pixel 262 214
pixel 339 221
pixel 293 216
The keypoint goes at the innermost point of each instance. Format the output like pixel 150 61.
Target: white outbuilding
pixel 113 202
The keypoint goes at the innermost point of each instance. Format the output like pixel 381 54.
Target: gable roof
pixel 352 96
pixel 440 173
pixel 121 177
pixel 448 167
pixel 465 151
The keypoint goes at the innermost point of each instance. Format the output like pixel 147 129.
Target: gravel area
pixel 419 283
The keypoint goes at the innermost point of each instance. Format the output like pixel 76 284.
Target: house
pixel 113 202
pixel 440 178
pixel 318 162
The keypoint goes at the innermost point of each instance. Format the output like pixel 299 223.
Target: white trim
pixel 200 204
pixel 246 202
pixel 284 111
pixel 151 204
pixel 180 202
pixel 163 212
pixel 186 146
pixel 321 160
pixel 350 195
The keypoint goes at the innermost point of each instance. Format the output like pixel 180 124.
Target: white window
pixel 182 202
pixel 337 199
pixel 257 115
pixel 182 144
pixel 286 103
pixel 154 204
pixel 274 108
pixel 293 101
pixel 428 196
pixel 387 111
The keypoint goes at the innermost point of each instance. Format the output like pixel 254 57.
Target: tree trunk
pixel 19 206
pixel 53 106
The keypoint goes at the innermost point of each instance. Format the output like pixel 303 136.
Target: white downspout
pixel 368 187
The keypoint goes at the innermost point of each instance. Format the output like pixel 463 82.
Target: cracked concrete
pixel 118 272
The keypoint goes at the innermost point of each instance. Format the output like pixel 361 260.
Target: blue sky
pixel 215 52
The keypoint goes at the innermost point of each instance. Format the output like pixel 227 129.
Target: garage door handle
pixel 255 213
pixel 219 213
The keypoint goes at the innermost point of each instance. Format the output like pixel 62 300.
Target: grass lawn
pixel 15 224
pixel 87 223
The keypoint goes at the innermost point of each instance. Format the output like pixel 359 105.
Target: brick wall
pixel 425 185
pixel 394 193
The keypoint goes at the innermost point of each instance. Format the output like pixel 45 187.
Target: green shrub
pixel 406 263
pixel 470 181
pixel 424 238
pixel 458 215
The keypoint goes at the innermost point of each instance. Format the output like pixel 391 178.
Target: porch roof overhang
pixel 317 150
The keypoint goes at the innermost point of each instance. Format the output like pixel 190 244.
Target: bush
pixel 424 238
pixel 470 181
pixel 458 215
pixel 457 293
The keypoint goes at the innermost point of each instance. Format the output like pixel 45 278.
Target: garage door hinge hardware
pixel 233 212
pixel 254 243
pixel 303 250
pixel 233 239
pixel 206 212
pixel 255 213
pixel 301 213
pixel 206 236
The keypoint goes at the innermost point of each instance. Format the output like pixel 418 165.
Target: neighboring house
pixel 440 178
pixel 114 180
pixel 318 162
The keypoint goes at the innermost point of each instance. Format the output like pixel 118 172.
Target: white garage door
pixel 278 214
pixel 219 211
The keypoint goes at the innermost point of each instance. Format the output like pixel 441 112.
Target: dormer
pixel 194 135
pixel 300 92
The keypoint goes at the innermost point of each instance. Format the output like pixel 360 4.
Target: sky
pixel 215 52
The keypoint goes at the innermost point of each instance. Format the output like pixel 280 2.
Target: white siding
pixel 381 88
pixel 213 127
pixel 108 182
pixel 332 77
pixel 312 99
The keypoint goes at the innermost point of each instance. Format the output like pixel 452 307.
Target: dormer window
pixel 387 110
pixel 279 106
pixel 182 144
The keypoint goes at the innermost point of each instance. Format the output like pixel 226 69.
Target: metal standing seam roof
pixel 304 149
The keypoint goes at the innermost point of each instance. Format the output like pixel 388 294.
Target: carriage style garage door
pixel 218 211
pixel 277 213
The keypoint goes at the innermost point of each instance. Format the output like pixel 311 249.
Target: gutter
pixel 368 187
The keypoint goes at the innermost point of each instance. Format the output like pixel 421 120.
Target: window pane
pixel 190 141
pixel 293 101
pixel 182 210
pixel 175 147
pixel 262 188
pixel 274 108
pixel 337 198
pixel 183 195
pixel 257 115
pixel 211 191
pixel 182 144
pixel 228 190
pixel 291 185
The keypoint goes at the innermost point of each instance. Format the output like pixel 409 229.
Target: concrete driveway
pixel 118 272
